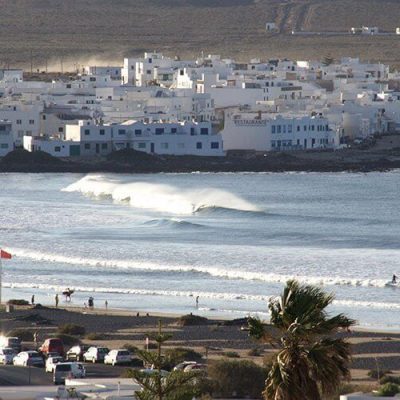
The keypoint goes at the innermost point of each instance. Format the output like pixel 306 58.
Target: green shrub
pixel 95 336
pixel 373 373
pixel 150 346
pixel 231 354
pixel 390 379
pixel 68 340
pixel 24 334
pixel 241 379
pixel 18 302
pixel 180 354
pixel 174 356
pixel 192 320
pixel 388 390
pixel 71 329
pixel 255 352
pixel 130 347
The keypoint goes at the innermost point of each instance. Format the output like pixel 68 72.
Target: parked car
pixel 67 370
pixel 120 356
pixel 76 353
pixel 28 358
pixel 151 371
pixel 7 355
pixel 95 354
pixel 181 366
pixel 52 361
pixel 11 342
pixel 195 367
pixel 52 345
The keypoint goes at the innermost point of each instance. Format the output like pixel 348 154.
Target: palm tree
pixel 155 385
pixel 312 360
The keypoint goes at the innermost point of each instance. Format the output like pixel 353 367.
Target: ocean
pixel 155 242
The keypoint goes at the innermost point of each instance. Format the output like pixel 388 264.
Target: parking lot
pixel 11 375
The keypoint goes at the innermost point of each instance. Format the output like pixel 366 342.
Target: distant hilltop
pixel 59 31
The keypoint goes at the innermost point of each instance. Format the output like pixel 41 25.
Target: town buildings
pixel 260 106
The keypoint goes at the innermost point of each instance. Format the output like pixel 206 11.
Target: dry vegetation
pixel 86 30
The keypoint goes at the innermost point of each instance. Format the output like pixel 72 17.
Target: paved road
pixel 17 376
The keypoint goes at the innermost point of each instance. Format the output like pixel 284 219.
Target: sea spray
pixel 159 197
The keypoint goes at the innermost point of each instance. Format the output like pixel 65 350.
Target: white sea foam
pixel 159 197
pixel 202 294
pixel 214 271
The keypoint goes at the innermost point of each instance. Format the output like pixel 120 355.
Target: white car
pixel 68 370
pixel 120 356
pixel 7 355
pixel 51 363
pixel 28 358
pixel 95 354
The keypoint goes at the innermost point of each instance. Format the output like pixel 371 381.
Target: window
pixel 4 146
pixel 57 149
pixel 215 145
pixel 164 145
pixel 289 129
pixel 138 132
pixel 273 129
pixel 20 133
pixel 102 132
pixel 60 129
pixel 284 128
pixel 181 145
pixel 92 79
pixel 312 127
pixel 87 146
pixel 87 132
pixel 192 131
pixel 204 131
pixel 121 131
pixel 159 131
pixel 273 144
pixel 173 130
pixel 142 145
pixel 68 86
pixel 104 146
pixel 2 128
pixel 199 145
pixel 31 121
pixel 19 121
pixel 298 128
pixel 148 72
pixel 305 127
pixel 43 117
pixel 278 129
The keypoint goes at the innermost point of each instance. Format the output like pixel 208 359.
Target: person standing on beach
pixel 56 299
pixel 197 301
pixel 33 299
pixel 106 304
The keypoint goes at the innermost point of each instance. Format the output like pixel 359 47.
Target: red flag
pixel 5 255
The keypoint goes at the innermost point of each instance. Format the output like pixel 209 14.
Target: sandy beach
pixel 371 350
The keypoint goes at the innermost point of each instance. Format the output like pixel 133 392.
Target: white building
pixel 179 138
pixel 55 147
pixel 257 132
pixel 6 138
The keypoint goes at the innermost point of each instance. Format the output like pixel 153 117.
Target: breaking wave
pixel 159 197
pixel 174 223
pixel 213 271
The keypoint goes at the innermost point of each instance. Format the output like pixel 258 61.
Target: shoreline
pixel 381 157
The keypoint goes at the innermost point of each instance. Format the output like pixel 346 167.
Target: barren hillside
pixel 77 31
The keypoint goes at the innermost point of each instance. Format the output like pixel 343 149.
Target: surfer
pixel 394 279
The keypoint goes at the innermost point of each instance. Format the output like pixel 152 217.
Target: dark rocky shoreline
pixel 130 161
